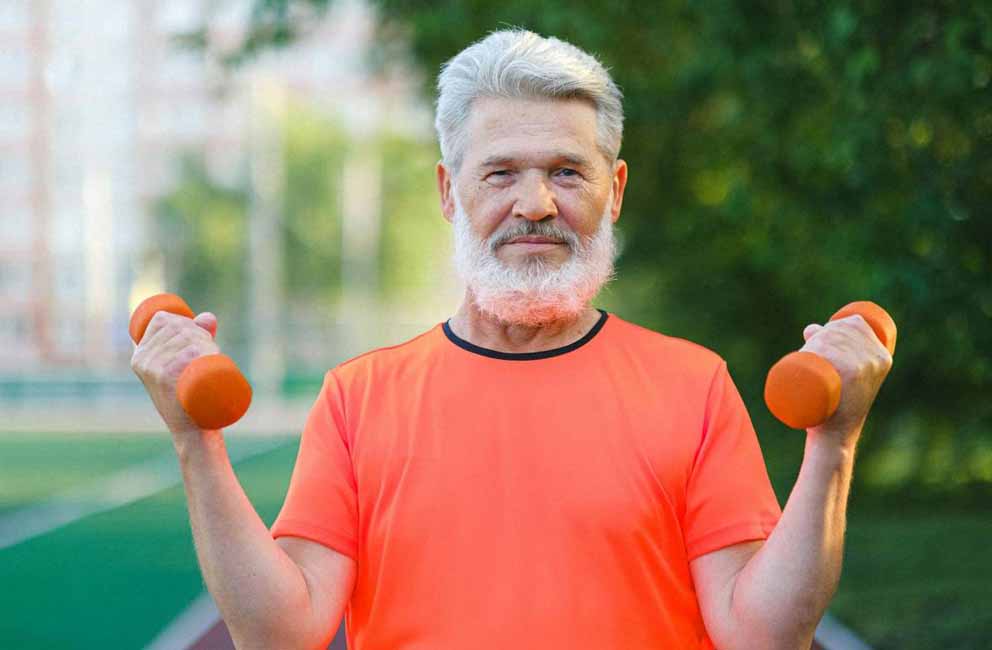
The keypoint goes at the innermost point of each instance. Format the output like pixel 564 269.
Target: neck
pixel 486 331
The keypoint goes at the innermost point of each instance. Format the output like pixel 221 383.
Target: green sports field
pixel 112 579
pixel 116 578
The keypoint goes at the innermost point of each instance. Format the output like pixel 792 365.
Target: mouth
pixel 532 241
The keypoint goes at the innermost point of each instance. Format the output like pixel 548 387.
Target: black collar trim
pixel 525 356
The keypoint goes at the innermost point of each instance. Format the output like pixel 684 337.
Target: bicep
pixel 330 577
pixel 714 575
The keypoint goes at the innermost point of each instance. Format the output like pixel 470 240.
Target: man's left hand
pixel 862 362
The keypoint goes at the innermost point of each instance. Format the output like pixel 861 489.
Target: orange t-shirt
pixel 544 500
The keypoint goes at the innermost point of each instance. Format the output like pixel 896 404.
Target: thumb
pixel 207 321
pixel 811 330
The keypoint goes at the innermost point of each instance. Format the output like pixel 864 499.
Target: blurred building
pixel 96 101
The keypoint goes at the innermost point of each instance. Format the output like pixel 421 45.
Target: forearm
pixel 259 590
pixel 784 589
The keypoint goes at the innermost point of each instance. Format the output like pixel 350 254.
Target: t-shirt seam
pixel 345 430
pixel 762 526
pixel 699 447
pixel 705 428
pixel 301 525
pixel 346 437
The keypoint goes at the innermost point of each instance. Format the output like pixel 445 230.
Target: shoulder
pixel 663 350
pixel 406 356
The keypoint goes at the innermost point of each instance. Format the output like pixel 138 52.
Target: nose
pixel 536 198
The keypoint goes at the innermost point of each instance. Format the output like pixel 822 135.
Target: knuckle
pixel 170 330
pixel 854 321
pixel 188 354
pixel 857 328
pixel 160 318
pixel 183 337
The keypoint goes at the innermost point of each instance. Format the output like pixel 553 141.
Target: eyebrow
pixel 563 156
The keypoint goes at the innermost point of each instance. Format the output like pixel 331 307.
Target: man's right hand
pixel 169 344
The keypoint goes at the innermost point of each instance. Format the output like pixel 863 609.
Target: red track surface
pixel 217 638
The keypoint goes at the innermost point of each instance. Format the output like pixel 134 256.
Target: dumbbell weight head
pixel 213 391
pixel 142 315
pixel 802 389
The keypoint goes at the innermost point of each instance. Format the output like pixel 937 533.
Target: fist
pixel 169 344
pixel 862 362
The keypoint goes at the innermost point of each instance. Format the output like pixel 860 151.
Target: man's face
pixel 535 161
pixel 537 200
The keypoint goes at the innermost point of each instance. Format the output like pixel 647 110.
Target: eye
pixel 499 175
pixel 567 172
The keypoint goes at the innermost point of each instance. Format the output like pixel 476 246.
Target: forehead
pixel 527 128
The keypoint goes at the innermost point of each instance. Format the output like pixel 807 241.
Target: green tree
pixel 203 229
pixel 786 158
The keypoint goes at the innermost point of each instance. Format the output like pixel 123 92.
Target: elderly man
pixel 533 472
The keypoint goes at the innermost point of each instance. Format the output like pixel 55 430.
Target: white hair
pixel 519 64
pixel 535 291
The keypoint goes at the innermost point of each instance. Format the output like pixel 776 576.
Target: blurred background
pixel 272 161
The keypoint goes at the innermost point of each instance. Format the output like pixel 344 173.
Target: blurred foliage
pixel 273 23
pixel 314 149
pixel 415 230
pixel 204 227
pixel 201 228
pixel 787 158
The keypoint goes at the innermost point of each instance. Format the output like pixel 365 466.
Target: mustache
pixel 535 229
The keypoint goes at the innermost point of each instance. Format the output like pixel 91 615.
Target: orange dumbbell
pixel 803 388
pixel 211 389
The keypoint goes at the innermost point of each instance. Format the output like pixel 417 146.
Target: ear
pixel 619 183
pixel 445 189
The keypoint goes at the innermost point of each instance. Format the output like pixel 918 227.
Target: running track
pixel 830 635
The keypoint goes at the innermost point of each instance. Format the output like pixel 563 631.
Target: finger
pixel 151 348
pixel 860 329
pixel 173 354
pixel 207 321
pixel 810 330
pixel 857 321
pixel 161 320
pixel 162 329
pixel 173 333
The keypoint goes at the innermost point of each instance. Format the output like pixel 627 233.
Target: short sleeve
pixel 729 497
pixel 322 501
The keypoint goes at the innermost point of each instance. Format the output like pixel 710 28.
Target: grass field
pixel 113 579
pixel 116 578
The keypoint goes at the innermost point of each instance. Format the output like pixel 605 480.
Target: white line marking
pixel 125 486
pixel 187 628
pixel 833 635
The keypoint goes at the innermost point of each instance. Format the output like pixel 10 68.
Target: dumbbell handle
pixel 803 389
pixel 211 389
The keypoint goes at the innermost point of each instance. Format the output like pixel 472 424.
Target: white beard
pixel 534 291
